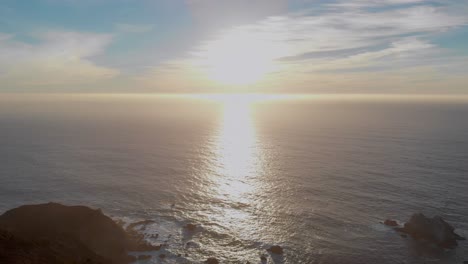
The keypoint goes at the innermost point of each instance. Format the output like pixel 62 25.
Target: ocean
pixel 314 174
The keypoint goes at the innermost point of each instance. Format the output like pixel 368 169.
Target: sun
pixel 240 57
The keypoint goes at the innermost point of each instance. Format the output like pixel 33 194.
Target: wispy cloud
pixel 308 32
pixel 55 58
pixel 346 38
pixel 222 13
pixel 374 3
pixel 134 28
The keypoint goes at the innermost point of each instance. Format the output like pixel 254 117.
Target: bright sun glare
pixel 240 57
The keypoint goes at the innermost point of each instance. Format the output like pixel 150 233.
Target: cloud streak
pixel 348 38
pixel 57 58
pixel 134 28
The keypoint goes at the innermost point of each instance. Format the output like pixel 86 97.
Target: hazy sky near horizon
pixel 274 46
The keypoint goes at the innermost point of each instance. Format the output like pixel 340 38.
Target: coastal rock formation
pixel 64 234
pixel 276 250
pixel 434 230
pixel 191 227
pixel 212 261
pixel 14 249
pixel 390 222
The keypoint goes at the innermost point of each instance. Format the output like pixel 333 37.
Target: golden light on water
pixel 237 154
pixel 237 161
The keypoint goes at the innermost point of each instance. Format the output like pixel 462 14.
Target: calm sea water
pixel 315 175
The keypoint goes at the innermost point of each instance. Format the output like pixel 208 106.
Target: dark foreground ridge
pixel 54 233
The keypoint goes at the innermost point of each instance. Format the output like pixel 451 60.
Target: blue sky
pixel 271 46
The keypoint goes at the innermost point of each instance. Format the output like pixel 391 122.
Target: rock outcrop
pixel 434 230
pixel 276 250
pixel 191 227
pixel 390 222
pixel 14 249
pixel 64 234
pixel 212 261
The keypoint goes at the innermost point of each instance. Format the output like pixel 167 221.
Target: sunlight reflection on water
pixel 237 163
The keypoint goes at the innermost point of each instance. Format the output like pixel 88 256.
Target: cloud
pixel 345 40
pixel 225 13
pixel 374 3
pixel 55 58
pixel 353 30
pixel 314 45
pixel 134 28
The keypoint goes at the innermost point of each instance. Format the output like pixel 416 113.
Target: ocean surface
pixel 314 174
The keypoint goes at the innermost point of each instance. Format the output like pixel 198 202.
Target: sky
pixel 219 46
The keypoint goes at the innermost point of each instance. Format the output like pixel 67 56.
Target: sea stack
pixel 435 230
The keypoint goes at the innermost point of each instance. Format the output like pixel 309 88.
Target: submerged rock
pixel 390 222
pixel 191 227
pixel 276 250
pixel 191 244
pixel 434 230
pixel 212 261
pixel 73 234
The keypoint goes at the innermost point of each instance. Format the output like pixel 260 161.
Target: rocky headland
pixel 433 230
pixel 54 233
